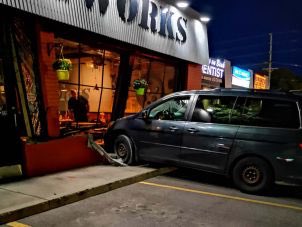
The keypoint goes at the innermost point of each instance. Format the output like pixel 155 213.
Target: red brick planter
pixel 58 155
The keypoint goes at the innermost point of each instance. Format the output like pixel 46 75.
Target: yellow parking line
pixel 225 196
pixel 16 224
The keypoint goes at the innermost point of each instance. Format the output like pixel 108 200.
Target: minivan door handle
pixel 223 147
pixel 173 128
pixel 192 130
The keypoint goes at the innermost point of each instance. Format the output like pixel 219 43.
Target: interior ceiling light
pixel 205 19
pixel 182 4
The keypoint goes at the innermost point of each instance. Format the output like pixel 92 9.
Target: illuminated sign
pixel 241 77
pixel 152 24
pixel 260 82
pixel 214 71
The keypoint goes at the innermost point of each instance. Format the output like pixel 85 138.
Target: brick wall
pixel 49 81
pixel 194 77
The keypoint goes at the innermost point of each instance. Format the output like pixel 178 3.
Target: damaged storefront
pixel 106 47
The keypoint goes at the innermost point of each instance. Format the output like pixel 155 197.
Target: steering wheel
pixel 164 115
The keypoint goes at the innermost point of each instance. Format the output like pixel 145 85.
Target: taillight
pixel 300 146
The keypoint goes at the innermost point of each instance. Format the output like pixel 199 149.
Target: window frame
pixel 163 100
pixel 214 96
pixel 274 99
pixel 245 98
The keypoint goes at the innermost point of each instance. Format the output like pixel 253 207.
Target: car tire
pixel 252 175
pixel 123 149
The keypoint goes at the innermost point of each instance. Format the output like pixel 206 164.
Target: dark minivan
pixel 253 136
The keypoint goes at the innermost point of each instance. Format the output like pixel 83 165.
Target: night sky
pixel 239 32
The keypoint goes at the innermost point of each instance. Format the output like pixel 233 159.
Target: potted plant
pixel 140 85
pixel 62 66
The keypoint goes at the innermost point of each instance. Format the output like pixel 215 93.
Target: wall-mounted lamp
pixel 205 19
pixel 51 46
pixel 182 4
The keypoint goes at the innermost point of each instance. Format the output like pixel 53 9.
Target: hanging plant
pixel 140 85
pixel 62 66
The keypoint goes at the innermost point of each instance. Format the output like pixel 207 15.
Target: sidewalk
pixel 38 194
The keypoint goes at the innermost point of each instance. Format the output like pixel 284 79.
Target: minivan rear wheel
pixel 252 175
pixel 123 149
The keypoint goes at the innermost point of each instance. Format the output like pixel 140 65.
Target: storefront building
pixel 110 44
pixel 216 74
pixel 242 78
pixel 220 73
pixel 261 82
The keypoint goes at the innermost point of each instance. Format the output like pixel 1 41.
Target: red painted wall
pixel 58 155
pixel 49 81
pixel 194 77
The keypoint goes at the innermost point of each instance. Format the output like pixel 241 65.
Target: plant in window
pixel 62 64
pixel 140 85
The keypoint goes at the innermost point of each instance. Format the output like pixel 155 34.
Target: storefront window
pixel 92 85
pixel 3 106
pixel 161 80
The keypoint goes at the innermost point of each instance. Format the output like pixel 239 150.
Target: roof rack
pixel 250 90
pixel 230 89
pixel 295 92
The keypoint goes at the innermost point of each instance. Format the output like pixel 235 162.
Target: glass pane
pixel 3 106
pixel 169 80
pixel 172 109
pixel 270 113
pixel 93 80
pixel 134 103
pixel 213 109
pixel 160 78
pixel 155 79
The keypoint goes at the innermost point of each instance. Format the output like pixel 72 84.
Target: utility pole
pixel 270 59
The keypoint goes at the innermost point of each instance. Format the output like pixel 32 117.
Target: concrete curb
pixel 31 209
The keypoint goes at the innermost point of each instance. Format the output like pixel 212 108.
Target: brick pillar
pixel 49 81
pixel 194 77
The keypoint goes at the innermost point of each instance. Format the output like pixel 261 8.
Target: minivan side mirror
pixel 145 114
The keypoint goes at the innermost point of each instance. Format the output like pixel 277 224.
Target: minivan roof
pixel 295 94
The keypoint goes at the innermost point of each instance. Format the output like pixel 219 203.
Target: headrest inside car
pixel 200 115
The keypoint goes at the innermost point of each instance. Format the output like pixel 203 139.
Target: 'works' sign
pixel 160 18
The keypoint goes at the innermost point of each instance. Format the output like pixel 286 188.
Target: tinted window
pixel 214 109
pixel 172 109
pixel 270 113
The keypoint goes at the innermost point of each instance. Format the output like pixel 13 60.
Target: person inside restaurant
pixel 78 107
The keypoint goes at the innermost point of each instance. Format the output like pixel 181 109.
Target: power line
pixel 258 36
pixel 252 64
pixel 290 50
pixel 239 47
pixel 249 55
pixel 288 64
pixel 239 39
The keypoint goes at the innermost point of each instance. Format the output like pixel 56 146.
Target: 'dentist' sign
pixel 214 71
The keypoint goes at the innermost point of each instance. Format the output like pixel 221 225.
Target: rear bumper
pixel 289 173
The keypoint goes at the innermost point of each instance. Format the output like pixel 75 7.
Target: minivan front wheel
pixel 252 175
pixel 123 149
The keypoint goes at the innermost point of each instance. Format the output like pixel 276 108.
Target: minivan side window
pixel 172 109
pixel 270 113
pixel 214 109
